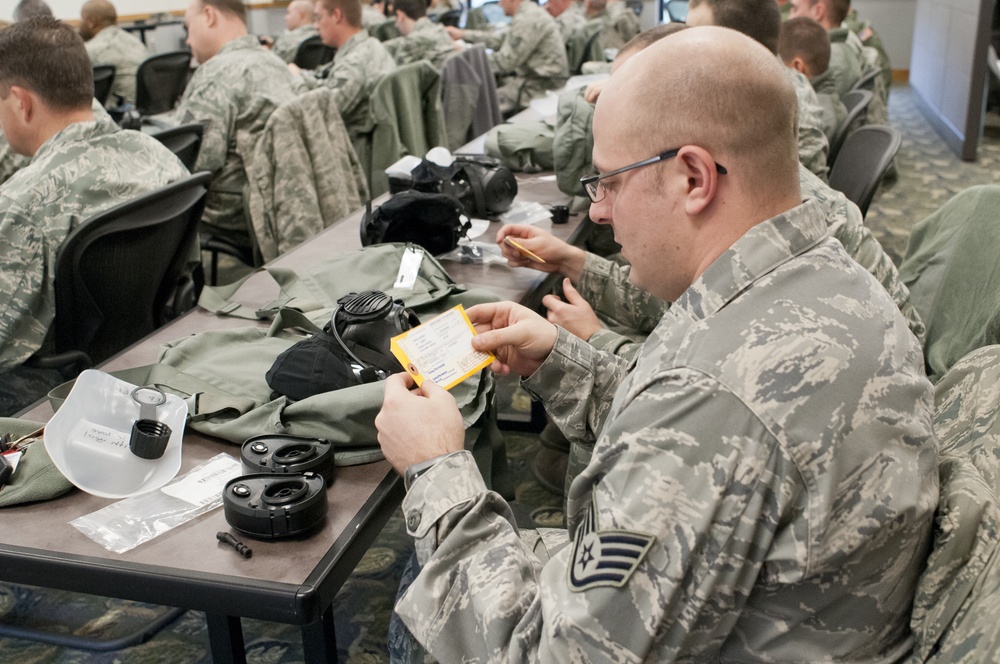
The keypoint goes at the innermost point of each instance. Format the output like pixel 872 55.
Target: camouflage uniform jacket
pixel 606 287
pixel 286 45
pixel 833 109
pixel 10 161
pixel 846 59
pixel 762 487
pixel 233 94
pixel 428 41
pixel 371 17
pixel 813 145
pixel 531 50
pixel 571 20
pixel 114 46
pixel 86 168
pixel 623 22
pixel 355 71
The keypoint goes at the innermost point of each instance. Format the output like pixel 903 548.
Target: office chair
pixel 125 272
pixel 867 80
pixel 862 161
pixel 386 30
pixel 451 17
pixel 184 141
pixel 857 102
pixel 676 10
pixel 104 78
pixel 312 53
pixel 160 81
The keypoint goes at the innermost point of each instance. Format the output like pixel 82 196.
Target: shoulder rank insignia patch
pixel 604 557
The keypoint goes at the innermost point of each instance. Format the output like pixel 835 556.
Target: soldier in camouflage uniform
pixel 530 54
pixel 361 61
pixel 760 20
pixel 568 15
pixel 846 58
pixel 623 23
pixel 805 47
pixel 233 92
pixel 300 24
pixel 422 39
pixel 107 44
pixel 10 161
pixel 722 517
pixel 80 165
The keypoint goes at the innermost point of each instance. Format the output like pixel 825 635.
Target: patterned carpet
pixel 928 174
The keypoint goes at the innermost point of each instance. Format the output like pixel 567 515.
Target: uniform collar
pixel 77 131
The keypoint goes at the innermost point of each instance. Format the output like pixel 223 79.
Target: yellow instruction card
pixel 440 349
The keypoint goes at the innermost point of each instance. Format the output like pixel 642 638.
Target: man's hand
pixel 417 425
pixel 559 256
pixel 295 69
pixel 518 337
pixel 455 33
pixel 593 91
pixel 575 313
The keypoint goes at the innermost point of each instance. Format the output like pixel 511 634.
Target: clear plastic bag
pixel 526 213
pixel 126 524
pixel 475 252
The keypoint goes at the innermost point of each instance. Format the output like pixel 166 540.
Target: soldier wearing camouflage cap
pixel 421 38
pixel 80 165
pixel 764 476
pixel 530 54
pixel 236 87
pixel 107 44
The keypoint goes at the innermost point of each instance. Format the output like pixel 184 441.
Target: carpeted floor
pixel 928 174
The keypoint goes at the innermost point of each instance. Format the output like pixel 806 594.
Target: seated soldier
pixel 233 92
pixel 438 7
pixel 568 15
pixel 300 21
pixel 26 9
pixel 805 47
pixel 623 22
pixel 761 20
pixel 361 61
pixel 107 44
pixel 80 166
pixel 372 15
pixel 422 39
pixel 722 517
pixel 847 61
pixel 530 55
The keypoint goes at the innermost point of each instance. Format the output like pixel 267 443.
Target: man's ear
pixel 211 15
pixel 799 65
pixel 25 103
pixel 698 167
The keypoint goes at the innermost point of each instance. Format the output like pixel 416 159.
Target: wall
pixel 893 20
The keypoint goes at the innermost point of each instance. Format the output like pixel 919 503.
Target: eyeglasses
pixel 595 188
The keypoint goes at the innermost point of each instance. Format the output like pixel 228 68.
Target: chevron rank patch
pixel 605 557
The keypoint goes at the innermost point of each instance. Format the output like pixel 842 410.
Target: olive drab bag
pixel 221 374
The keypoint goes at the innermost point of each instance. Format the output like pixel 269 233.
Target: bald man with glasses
pixel 763 479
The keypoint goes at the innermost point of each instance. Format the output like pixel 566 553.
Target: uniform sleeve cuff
pixel 453 481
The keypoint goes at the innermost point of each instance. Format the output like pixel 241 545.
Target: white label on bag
pixel 409 267
pixel 205 484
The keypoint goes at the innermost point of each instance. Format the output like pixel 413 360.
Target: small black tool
pixel 6 470
pixel 240 547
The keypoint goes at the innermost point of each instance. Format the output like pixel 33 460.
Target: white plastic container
pixel 88 438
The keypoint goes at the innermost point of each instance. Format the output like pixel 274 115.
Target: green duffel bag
pixel 525 146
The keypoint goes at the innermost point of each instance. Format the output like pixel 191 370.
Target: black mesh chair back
pixel 118 272
pixel 104 78
pixel 867 80
pixel 856 102
pixel 863 160
pixel 386 30
pixel 676 10
pixel 312 53
pixel 184 141
pixel 451 17
pixel 160 81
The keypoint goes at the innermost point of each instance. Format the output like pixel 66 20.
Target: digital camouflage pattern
pixel 846 60
pixel 762 486
pixel 233 94
pixel 371 17
pixel 286 45
pixel 813 145
pixel 958 594
pixel 428 41
pixel 86 168
pixel 632 313
pixel 530 54
pixel 114 46
pixel 832 108
pixel 354 72
pixel 622 23
pixel 571 20
pixel 10 161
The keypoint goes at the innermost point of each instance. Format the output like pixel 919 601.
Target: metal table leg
pixel 225 634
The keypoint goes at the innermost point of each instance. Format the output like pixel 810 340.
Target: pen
pixel 533 256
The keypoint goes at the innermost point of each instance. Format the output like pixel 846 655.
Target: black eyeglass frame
pixel 592 182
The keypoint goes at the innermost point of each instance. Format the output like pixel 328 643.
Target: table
pixel 288 581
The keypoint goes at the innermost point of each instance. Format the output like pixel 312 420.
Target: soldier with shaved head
pixel 764 474
pixel 107 44
pixel 300 21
